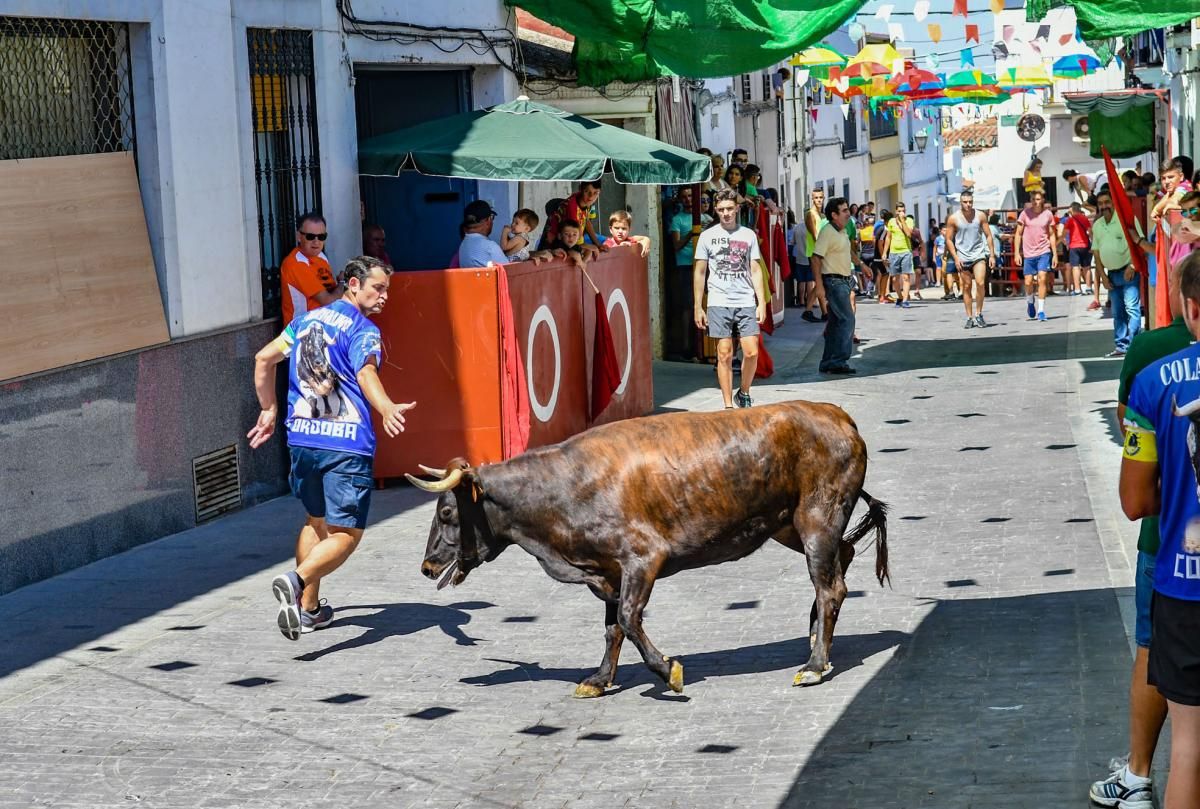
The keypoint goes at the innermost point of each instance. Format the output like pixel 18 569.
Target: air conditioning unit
pixel 1079 129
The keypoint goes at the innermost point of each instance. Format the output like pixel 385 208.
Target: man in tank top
pixel 969 243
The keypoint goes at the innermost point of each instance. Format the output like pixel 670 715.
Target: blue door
pixel 419 214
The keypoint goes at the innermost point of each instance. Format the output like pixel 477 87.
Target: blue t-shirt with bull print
pixel 326 408
pixel 1162 419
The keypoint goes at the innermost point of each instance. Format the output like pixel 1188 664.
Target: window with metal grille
pixel 883 124
pixel 746 87
pixel 287 165
pixel 766 86
pixel 850 129
pixel 65 88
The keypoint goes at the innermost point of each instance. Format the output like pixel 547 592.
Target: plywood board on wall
pixel 77 279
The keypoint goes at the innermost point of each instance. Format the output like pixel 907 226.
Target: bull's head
pixel 460 538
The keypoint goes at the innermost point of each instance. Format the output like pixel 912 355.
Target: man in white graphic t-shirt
pixel 728 254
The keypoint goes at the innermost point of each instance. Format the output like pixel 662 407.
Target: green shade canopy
pixel 638 40
pixel 1100 19
pixel 525 140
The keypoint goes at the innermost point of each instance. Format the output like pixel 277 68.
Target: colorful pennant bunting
pixel 972 33
pixel 935 32
pixel 967 58
pixel 960 8
pixel 997 6
pixel 895 31
pixel 885 12
pixel 1065 38
pixel 921 10
pixel 1008 33
pixel 1043 33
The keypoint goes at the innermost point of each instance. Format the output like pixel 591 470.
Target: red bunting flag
pixel 960 8
pixel 813 112
pixel 606 373
pixel 972 33
pixel 1065 38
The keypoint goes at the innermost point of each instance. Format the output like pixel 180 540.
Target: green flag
pixel 638 40
pixel 1103 19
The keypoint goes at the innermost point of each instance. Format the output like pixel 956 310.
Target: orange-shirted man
pixel 305 273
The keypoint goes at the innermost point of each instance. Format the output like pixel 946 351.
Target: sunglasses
pixel 313 237
pixel 1191 212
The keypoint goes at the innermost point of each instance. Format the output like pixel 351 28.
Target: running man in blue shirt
pixel 334 354
pixel 1159 474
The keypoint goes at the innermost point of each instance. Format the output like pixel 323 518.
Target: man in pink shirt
pixel 1035 246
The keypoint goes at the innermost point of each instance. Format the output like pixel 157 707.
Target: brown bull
pixel 625 504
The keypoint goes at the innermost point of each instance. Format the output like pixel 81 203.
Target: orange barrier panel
pixel 441 341
pixel 441 347
pixel 621 276
pixel 549 322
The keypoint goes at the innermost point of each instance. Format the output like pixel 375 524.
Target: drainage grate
pixel 216 483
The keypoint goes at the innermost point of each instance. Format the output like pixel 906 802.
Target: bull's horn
pixel 446 484
pixel 1187 410
pixel 429 470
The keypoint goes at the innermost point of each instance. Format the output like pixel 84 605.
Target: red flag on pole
pixel 1124 211
pixel 606 374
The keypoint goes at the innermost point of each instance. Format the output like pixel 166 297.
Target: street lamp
pixel 921 138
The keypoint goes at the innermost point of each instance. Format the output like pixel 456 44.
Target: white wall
pixel 719 138
pixel 195 153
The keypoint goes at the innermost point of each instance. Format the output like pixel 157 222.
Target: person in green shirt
pixel 1147 707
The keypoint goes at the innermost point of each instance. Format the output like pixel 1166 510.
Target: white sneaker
pixel 1118 791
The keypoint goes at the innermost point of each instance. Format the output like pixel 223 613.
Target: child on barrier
pixel 618 233
pixel 515 239
pixel 567 244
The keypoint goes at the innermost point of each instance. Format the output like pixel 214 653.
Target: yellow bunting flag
pixel 935 32
pixel 997 6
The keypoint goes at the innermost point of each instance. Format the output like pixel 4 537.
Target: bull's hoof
pixel 676 679
pixel 588 691
pixel 806 677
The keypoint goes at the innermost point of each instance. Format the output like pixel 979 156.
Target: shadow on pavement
pixel 71 610
pixel 995 702
pixel 390 620
pixel 849 652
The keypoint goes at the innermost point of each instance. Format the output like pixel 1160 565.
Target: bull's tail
pixel 876 518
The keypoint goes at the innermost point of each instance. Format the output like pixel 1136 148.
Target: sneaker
pixel 979 322
pixel 1042 317
pixel 1030 310
pixel 906 305
pixel 1116 352
pixel 312 621
pixel 1094 305
pixel 808 316
pixel 1114 791
pixel 970 324
pixel 1087 290
pixel 900 303
pixel 742 398
pixel 839 369
pixel 287 592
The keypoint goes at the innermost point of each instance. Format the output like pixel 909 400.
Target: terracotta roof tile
pixel 974 137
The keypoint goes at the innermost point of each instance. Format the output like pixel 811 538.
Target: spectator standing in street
pixel 1032 182
pixel 1130 782
pixel 1159 472
pixel 833 262
pixel 814 221
pixel 897 250
pixel 1077 230
pixel 1114 260
pixel 1035 244
pixel 333 357
pixel 728 263
pixel 972 248
pixel 305 275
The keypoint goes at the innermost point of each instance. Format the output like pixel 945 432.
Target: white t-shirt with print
pixel 730 255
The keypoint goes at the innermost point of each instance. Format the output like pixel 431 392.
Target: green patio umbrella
pixel 525 140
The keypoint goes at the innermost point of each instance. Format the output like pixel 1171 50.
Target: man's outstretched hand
pixel 393 419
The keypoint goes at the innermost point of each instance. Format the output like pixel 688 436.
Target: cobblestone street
pixel 993 673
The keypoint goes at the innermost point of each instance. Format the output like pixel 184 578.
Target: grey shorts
pixel 722 320
pixel 900 263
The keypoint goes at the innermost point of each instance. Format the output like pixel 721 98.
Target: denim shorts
pixel 1143 591
pixel 333 485
pixel 723 319
pixel 900 263
pixel 1037 264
